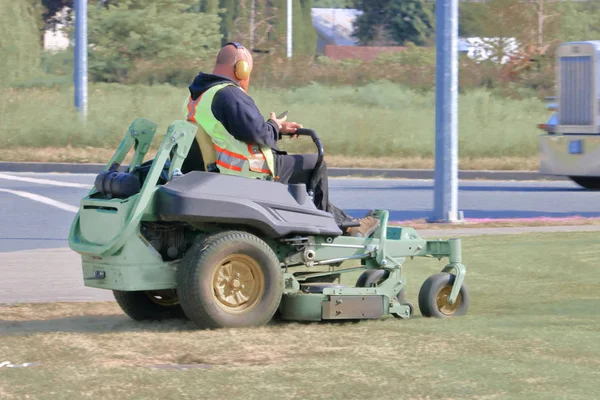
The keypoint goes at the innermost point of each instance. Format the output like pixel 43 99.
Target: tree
pixel 228 8
pixel 148 31
pixel 263 24
pixel 209 6
pixel 579 20
pixel 386 22
pixel 19 41
pixel 50 8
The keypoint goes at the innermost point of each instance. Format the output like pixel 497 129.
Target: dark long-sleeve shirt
pixel 237 111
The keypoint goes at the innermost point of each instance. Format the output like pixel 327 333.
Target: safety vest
pixel 233 156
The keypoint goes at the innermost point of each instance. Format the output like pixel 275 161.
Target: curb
pixel 75 168
pixel 429 174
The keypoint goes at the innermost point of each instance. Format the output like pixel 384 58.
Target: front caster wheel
pixel 230 279
pixel 433 297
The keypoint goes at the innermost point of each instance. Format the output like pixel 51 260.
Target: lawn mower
pixel 230 251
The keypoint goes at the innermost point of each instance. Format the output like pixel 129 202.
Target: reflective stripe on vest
pixel 191 106
pixel 228 149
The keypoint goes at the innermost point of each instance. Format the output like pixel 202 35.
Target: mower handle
pixel 320 154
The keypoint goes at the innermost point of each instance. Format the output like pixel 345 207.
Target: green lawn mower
pixel 229 251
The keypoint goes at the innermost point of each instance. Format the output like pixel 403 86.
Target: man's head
pixel 235 62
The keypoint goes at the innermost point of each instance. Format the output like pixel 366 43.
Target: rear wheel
pixel 149 305
pixel 230 279
pixel 434 293
pixel 588 182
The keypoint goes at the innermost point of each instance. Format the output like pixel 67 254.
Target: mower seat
pixel 202 153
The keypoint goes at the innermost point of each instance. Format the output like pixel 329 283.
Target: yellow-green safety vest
pixel 234 157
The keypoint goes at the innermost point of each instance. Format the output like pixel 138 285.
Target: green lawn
pixel 377 120
pixel 532 332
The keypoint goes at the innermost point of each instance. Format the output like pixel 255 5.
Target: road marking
pixel 42 199
pixel 45 181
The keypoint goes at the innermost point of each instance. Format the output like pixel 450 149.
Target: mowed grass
pixel 531 333
pixel 373 121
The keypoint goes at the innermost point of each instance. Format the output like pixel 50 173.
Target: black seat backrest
pixel 194 160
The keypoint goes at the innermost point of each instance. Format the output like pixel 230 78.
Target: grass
pixel 500 223
pixel 376 121
pixel 100 155
pixel 531 333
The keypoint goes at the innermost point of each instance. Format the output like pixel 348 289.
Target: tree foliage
pixel 20 44
pixel 270 24
pixel 148 31
pixel 386 22
pixel 50 8
pixel 579 20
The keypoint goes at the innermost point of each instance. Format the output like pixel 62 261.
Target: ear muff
pixel 241 68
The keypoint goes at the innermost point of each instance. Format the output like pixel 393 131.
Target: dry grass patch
pixel 500 223
pixel 70 154
pixel 531 333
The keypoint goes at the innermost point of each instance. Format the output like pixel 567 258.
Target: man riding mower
pixel 226 230
pixel 234 126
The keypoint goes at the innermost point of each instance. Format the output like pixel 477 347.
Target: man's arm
pixel 240 116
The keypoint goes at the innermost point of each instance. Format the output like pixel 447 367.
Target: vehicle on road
pixel 571 145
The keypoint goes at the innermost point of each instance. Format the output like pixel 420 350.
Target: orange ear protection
pixel 241 68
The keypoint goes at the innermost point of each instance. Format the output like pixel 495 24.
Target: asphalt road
pixel 35 212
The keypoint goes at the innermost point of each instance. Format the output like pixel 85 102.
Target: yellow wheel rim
pixel 166 298
pixel 238 283
pixel 442 301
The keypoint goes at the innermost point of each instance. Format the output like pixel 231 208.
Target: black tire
pixel 587 182
pixel 374 277
pixel 140 306
pixel 207 294
pixel 437 287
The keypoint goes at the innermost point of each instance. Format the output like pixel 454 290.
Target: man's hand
pixel 284 126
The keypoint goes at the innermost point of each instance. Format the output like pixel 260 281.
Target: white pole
pixel 446 113
pixel 80 73
pixel 289 28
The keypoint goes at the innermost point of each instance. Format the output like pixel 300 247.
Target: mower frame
pixel 116 256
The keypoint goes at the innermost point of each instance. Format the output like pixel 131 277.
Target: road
pixel 42 218
pixel 36 211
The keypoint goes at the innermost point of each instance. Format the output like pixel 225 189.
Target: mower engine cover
pixel 274 209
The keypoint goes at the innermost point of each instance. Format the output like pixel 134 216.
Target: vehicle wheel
pixel 434 294
pixel 588 182
pixel 230 279
pixel 149 305
pixel 374 277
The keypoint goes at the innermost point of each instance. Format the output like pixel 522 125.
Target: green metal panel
pixel 137 266
pixel 139 135
pixel 301 306
pixel 180 136
pixel 129 277
pixel 101 221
